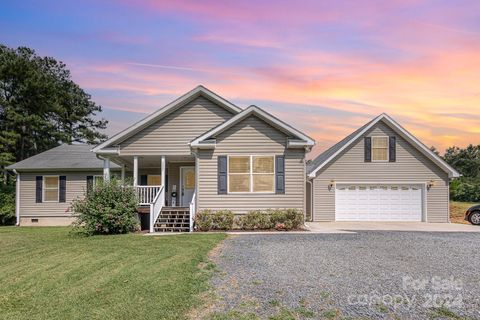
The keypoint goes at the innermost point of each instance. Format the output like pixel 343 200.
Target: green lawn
pixel 46 273
pixel 457 211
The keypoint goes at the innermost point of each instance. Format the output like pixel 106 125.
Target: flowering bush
pixel 109 208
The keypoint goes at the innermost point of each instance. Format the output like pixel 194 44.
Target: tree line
pixel 41 107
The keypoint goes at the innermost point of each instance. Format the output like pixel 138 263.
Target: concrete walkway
pixel 347 227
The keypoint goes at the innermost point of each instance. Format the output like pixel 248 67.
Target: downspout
pixel 311 198
pixel 17 197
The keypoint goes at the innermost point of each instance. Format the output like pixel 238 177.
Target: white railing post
pixel 192 209
pixel 156 207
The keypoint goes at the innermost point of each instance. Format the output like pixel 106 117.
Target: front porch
pixel 165 187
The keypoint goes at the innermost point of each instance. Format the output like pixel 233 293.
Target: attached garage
pixel 378 202
pixel 380 172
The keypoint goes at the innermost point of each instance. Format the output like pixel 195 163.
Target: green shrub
pixel 286 219
pixel 256 219
pixel 7 204
pixel 464 189
pixel 223 220
pixel 280 219
pixel 109 208
pixel 204 220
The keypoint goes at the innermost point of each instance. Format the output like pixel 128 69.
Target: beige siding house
pixel 203 152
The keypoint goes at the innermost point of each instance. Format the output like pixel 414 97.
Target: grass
pixel 457 211
pixel 48 273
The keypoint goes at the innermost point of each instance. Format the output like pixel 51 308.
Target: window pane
pixel 379 142
pixel 154 180
pixel 239 182
pixel 51 182
pixel 263 182
pixel 189 179
pixel 239 164
pixel 263 164
pixel 379 154
pixel 51 195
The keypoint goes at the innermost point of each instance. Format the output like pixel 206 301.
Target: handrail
pixel 146 194
pixel 156 207
pixel 192 209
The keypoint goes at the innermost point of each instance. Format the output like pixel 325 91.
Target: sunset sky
pixel 326 67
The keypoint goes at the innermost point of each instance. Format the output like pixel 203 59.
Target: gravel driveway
pixel 365 275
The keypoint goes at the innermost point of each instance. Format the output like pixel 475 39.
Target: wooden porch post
pixel 135 171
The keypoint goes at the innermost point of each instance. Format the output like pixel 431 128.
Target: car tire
pixel 474 218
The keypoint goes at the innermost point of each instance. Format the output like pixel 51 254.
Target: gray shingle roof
pixel 321 158
pixel 65 156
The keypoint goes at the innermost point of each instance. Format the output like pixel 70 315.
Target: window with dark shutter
pixel 368 149
pixel 392 149
pixel 280 174
pixel 38 189
pixel 89 184
pixel 62 196
pixel 222 174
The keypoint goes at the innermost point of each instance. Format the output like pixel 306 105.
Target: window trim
pixel 387 147
pixel 251 174
pixel 44 188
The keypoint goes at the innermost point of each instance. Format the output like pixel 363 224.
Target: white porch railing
pixel 156 207
pixel 146 194
pixel 192 210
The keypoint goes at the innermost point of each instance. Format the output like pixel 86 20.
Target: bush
pixel 256 219
pixel 286 219
pixel 204 220
pixel 109 208
pixel 221 220
pixel 465 189
pixel 7 204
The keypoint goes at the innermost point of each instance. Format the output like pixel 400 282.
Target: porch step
pixel 143 209
pixel 173 219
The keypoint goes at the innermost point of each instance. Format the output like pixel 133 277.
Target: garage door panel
pixel 379 202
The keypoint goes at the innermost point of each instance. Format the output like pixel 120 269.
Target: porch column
pixel 106 169
pixel 163 172
pixel 135 171
pixel 123 174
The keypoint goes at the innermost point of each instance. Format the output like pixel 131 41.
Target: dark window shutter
pixel 39 189
pixel 89 183
pixel 280 174
pixel 62 196
pixel 222 174
pixel 143 180
pixel 368 149
pixel 392 150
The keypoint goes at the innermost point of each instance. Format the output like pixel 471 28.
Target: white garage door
pixel 378 202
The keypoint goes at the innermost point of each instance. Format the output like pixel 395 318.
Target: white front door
pixel 187 185
pixel 378 202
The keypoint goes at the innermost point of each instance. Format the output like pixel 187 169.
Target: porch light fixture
pixel 330 186
pixel 430 184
